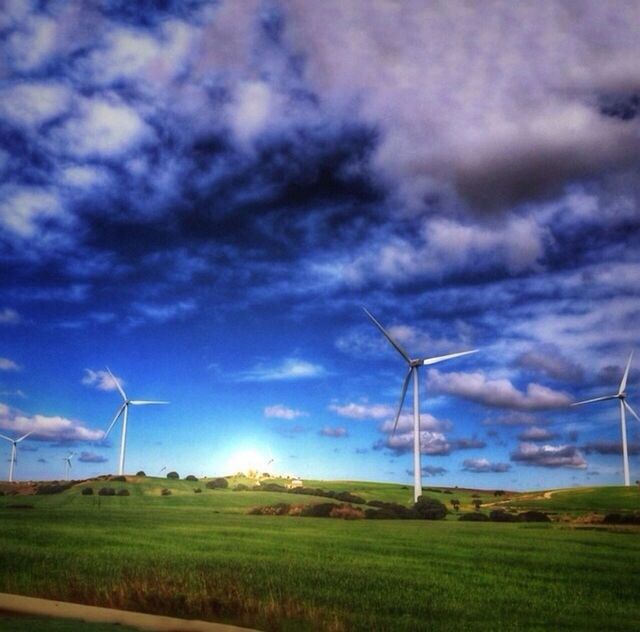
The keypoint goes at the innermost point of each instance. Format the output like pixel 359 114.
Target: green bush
pixel 197 490
pixel 321 510
pixel 119 478
pixel 273 487
pixel 348 497
pixel 140 473
pixel 217 483
pixel 618 518
pixel 429 508
pixel 107 491
pixel 533 516
pixel 500 515
pixel 123 492
pixel 173 475
pixel 53 488
pixel 476 516
pixel 191 477
pixel 87 491
pixel 165 492
pixel 240 487
pixel 390 511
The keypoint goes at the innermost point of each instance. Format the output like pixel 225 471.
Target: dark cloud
pixel 610 447
pixel 481 466
pixel 548 359
pixel 549 456
pixel 535 433
pixel 92 457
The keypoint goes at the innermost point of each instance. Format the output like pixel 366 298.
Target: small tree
pixel 455 503
pixel 430 508
pixel 87 491
pixel 173 475
pixel 217 483
pixel 191 477
pixel 140 473
pixel 476 502
pixel 498 492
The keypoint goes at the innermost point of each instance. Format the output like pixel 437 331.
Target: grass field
pixel 10 623
pixel 201 556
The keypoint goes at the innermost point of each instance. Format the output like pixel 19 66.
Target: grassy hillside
pixel 197 555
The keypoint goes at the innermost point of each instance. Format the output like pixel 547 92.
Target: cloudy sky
pixel 203 196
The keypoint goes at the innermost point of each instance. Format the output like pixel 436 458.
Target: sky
pixel 202 196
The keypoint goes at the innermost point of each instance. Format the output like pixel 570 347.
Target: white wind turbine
pixel 67 465
pixel 414 365
pixel 14 451
pixel 621 396
pixel 124 408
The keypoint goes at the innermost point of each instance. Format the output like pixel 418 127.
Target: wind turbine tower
pixel 621 396
pixel 124 411
pixel 14 451
pixel 67 465
pixel 414 365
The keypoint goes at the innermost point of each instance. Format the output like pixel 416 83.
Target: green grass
pixel 199 556
pixel 10 623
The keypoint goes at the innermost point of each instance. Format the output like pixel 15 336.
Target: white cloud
pixel 405 424
pixel 82 177
pixel 105 128
pixel 101 380
pixel 29 46
pixel 279 411
pixel 335 432
pixel 23 208
pixel 44 427
pixel 31 104
pixel 501 393
pixel 480 466
pixel 9 316
pixel 288 369
pixel 8 365
pixel 364 410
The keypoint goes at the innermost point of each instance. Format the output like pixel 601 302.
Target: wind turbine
pixel 14 451
pixel 124 408
pixel 621 396
pixel 67 465
pixel 414 365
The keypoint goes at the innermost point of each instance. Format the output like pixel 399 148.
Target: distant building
pixel 295 482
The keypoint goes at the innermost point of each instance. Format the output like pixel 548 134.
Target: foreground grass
pixel 10 623
pixel 194 555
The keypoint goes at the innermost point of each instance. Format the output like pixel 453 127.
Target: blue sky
pixel 203 195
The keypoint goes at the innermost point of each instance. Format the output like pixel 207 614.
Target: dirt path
pixel 65 610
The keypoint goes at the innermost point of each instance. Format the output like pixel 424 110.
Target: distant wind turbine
pixel 124 410
pixel 414 365
pixel 67 465
pixel 621 396
pixel 14 451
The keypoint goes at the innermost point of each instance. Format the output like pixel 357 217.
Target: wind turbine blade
pixel 7 438
pixel 144 402
pixel 395 345
pixel 403 394
pixel 623 384
pixel 437 359
pixel 595 399
pixel 115 381
pixel 628 407
pixel 25 436
pixel 106 434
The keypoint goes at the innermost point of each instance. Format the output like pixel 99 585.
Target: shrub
pixel 140 473
pixel 165 492
pixel 617 518
pixel 475 495
pixel 447 491
pixel 433 489
pixel 476 516
pixel 197 490
pixel 348 497
pixel 240 487
pixel 107 491
pixel 218 483
pixel 52 488
pixel 173 475
pixel 430 508
pixel 346 512
pixel 270 487
pixel 87 491
pixel 391 511
pixel 191 477
pixel 1 493
pixel 376 503
pixel 119 478
pixel 498 492
pixel 123 492
pixel 19 506
pixel 500 515
pixel 321 510
pixel 476 502
pixel 533 516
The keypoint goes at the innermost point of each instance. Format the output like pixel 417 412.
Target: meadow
pixel 201 556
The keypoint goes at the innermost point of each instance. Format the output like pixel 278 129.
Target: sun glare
pixel 248 461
